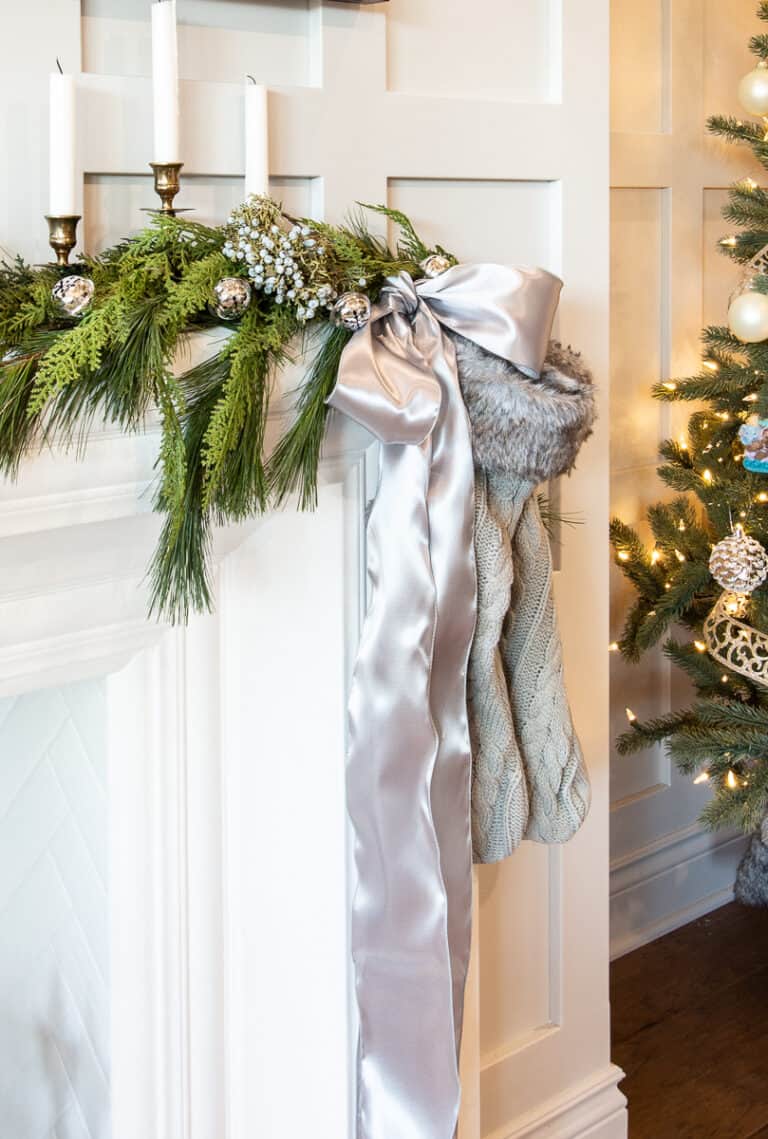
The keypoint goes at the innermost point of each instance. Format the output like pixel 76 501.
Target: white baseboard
pixel 592 1110
pixel 669 883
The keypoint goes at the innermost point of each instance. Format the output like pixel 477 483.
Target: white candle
pixel 165 81
pixel 256 139
pixel 63 196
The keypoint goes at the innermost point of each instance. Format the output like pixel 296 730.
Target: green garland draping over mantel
pixel 115 360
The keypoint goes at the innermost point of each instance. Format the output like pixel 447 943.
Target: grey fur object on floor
pixel 531 428
pixel 752 877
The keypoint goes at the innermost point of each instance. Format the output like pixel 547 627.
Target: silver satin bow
pixel 409 772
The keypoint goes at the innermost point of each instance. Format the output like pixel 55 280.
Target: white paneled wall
pixel 232 999
pixel 54 950
pixel 673 64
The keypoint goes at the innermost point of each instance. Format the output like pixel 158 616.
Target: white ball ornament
pixel 748 317
pixel 753 90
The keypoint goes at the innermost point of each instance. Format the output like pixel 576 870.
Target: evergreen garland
pixel 724 735
pixel 117 362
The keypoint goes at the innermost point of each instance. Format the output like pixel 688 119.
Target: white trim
pixel 644 935
pixel 668 883
pixel 577 1113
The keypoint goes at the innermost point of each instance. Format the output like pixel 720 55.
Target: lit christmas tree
pixel 703 586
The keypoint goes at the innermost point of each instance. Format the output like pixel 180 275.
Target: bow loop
pixel 387 376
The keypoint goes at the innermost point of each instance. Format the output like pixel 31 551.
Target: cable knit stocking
pixel 528 775
pixel 499 792
pixel 558 786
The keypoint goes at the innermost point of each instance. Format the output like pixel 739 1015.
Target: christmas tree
pixel 702 587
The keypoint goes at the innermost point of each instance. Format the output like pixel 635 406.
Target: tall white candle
pixel 165 81
pixel 256 139
pixel 63 196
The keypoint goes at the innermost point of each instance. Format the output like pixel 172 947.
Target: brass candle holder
pixel 62 236
pixel 167 184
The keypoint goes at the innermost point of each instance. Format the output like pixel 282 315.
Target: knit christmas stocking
pixel 499 792
pixel 558 786
pixel 528 774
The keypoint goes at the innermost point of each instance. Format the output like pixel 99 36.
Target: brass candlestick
pixel 62 236
pixel 167 184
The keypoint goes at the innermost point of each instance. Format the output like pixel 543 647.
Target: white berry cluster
pixel 285 261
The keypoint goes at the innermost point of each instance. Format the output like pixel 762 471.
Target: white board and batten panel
pixel 482 123
pixel 673 64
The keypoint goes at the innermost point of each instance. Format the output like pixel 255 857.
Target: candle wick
pixel 251 79
pixel 58 64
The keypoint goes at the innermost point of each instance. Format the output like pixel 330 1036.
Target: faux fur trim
pixel 530 428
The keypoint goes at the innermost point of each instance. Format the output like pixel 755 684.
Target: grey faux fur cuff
pixel 530 428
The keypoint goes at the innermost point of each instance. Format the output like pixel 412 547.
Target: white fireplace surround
pixel 228 849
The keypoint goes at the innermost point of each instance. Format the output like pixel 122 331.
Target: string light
pixel 702 778
pixel 729 242
pixel 723 415
pixel 723 679
pixel 683 444
pixel 712 365
pixel 762 497
pixel 613 647
pixel 749 184
pixel 680 556
pixel 656 556
pixel 700 646
pixel 631 715
pixel 751 398
pixel 623 556
pixel 670 386
pixel 707 476
pixel 731 781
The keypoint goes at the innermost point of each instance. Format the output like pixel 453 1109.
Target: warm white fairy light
pixel 703 777
pixel 655 556
pixel 623 556
pixel 712 365
pixel 613 647
pixel 700 646
pixel 731 780
pixel 670 386
pixel 707 476
pixel 680 556
pixel 729 241
pixel 630 715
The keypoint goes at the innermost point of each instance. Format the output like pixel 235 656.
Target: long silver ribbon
pixel 409 770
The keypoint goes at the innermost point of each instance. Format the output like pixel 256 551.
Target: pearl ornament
pixel 753 90
pixel 748 316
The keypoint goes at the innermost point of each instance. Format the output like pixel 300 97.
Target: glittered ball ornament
pixel 435 264
pixel 232 295
pixel 748 317
pixel 72 295
pixel 739 563
pixel 753 90
pixel 351 311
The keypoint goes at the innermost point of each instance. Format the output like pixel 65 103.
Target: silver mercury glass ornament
pixel 435 264
pixel 351 311
pixel 72 295
pixel 232 295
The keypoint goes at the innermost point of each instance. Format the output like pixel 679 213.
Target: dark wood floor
pixel 690 1029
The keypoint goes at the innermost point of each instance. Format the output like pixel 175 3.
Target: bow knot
pixel 388 372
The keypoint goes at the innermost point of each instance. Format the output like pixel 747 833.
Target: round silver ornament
pixel 739 563
pixel 72 295
pixel 351 311
pixel 232 295
pixel 435 264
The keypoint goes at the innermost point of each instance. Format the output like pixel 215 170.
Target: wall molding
pixel 669 882
pixel 596 1109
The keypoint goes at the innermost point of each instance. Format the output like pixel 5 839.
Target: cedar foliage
pixel 119 361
